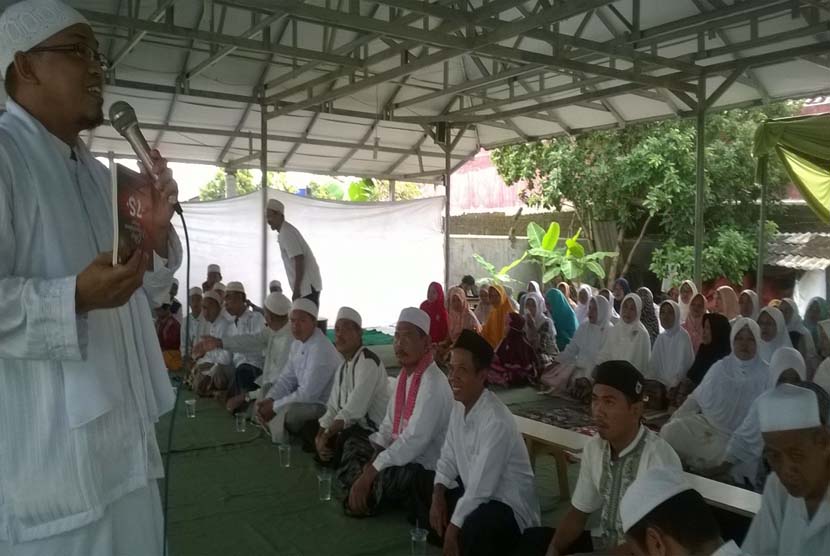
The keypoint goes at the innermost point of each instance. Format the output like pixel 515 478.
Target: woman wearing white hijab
pixel 822 376
pixel 774 333
pixel 800 336
pixel 746 447
pixel 749 304
pixel 576 363
pixel 628 340
pixel 583 297
pixel 700 429
pixel 671 356
pixel 539 329
pixel 687 292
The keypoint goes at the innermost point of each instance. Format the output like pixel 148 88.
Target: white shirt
pixel 248 323
pixel 360 392
pixel 672 354
pixel 198 327
pixel 422 437
pixel 217 329
pixel 275 345
pixel 783 527
pixel 308 373
pixel 79 395
pixel 729 549
pixel 292 244
pixel 587 497
pixel 484 449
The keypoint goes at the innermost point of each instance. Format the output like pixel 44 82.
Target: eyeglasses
pixel 80 50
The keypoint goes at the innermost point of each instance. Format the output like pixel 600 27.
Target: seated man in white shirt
pixel 244 322
pixel 209 363
pixel 357 403
pixel 214 276
pixel 275 340
pixel 408 443
pixel 275 286
pixel 483 449
pixel 298 398
pixel 795 510
pixel 662 514
pixel 193 327
pixel 622 450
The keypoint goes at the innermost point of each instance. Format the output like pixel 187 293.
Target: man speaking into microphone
pixel 82 379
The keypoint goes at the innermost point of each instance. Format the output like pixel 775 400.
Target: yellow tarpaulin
pixel 803 145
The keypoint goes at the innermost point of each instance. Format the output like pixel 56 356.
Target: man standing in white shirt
pixel 795 509
pixel 662 514
pixel 274 340
pixel 622 450
pixel 408 443
pixel 244 322
pixel 300 265
pixel 82 380
pixel 484 449
pixel 298 398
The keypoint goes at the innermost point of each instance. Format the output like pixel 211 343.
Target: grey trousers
pixel 292 417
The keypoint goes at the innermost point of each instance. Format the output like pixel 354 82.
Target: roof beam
pixel 217 38
pixel 157 15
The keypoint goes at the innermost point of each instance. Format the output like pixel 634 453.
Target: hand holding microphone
pixel 125 122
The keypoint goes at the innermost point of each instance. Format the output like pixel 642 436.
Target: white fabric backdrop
pixel 375 257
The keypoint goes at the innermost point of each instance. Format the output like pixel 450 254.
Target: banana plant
pixel 499 276
pixel 570 261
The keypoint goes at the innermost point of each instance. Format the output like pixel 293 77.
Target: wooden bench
pixel 556 441
pixel 726 497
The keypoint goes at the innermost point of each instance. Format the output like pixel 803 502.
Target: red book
pixel 134 198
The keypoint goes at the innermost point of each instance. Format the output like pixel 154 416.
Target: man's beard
pixel 90 122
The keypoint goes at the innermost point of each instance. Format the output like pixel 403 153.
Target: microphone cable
pixel 169 453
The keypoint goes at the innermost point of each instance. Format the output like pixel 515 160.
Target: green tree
pixel 374 190
pixel 644 175
pixel 245 183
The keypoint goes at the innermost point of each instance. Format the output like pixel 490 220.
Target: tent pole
pixel 761 178
pixel 392 191
pixel 447 170
pixel 700 180
pixel 263 167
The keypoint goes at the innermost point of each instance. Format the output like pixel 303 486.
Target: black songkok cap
pixel 622 376
pixel 475 344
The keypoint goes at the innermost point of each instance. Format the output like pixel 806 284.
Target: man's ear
pixel 654 542
pixel 24 68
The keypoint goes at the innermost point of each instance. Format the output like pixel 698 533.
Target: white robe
pixel 584 348
pixel 80 394
pixel 628 341
pixel 783 526
pixel 247 324
pixel 672 354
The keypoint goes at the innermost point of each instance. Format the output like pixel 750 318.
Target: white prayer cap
pixel 26 24
pixel 651 488
pixel 350 314
pixel 275 284
pixel 235 287
pixel 306 306
pixel 275 205
pixel 219 286
pixel 195 291
pixel 214 296
pixel 278 304
pixel 788 407
pixel 417 317
pixel 214 268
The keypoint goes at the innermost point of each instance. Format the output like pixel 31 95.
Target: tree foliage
pixel 646 174
pixel 216 188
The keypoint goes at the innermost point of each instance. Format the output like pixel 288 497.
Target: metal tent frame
pixel 411 89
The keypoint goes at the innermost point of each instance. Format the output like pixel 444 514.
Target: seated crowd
pixel 744 387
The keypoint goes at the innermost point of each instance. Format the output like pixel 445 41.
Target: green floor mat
pixel 370 338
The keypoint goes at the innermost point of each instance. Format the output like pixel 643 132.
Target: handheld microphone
pixel 125 122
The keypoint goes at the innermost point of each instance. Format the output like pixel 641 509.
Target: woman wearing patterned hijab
pixel 649 316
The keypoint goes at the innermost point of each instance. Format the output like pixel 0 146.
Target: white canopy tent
pixel 411 89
